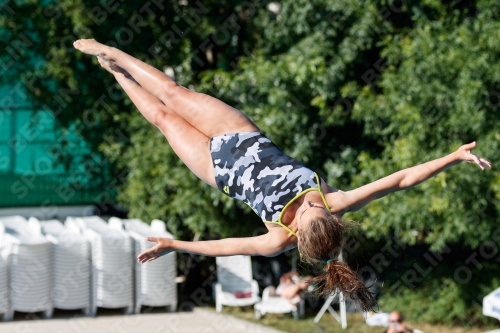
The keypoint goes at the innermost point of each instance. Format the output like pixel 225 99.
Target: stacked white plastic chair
pixel 71 266
pixel 30 257
pixel 112 268
pixel 4 279
pixel 234 275
pixel 154 281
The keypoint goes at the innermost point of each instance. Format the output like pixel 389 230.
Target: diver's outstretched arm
pixel 356 199
pixel 266 245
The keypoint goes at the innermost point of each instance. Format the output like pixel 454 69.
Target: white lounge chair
pixel 4 285
pixel 71 265
pixel 272 302
pixel 30 259
pixel 112 264
pixel 234 274
pixel 155 281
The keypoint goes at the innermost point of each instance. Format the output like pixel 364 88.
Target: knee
pixel 160 116
pixel 172 92
pixel 170 89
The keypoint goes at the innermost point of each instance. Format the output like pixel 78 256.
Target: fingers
pixel 485 162
pixel 469 157
pixel 143 256
pixel 147 255
pixel 145 260
pixel 477 161
pixel 150 259
pixel 481 162
pixel 152 253
pixel 470 145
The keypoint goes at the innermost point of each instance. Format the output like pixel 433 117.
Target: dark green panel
pixel 39 165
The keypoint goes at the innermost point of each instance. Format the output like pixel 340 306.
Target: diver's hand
pixel 163 246
pixel 463 154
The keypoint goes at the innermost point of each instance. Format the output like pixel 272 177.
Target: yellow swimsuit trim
pixel 295 198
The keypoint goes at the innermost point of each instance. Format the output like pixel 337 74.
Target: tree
pixel 437 92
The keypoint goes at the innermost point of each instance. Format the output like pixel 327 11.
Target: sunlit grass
pixel 327 324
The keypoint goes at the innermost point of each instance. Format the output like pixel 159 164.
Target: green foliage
pixel 446 301
pixel 436 94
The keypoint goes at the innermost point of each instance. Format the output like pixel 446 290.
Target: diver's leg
pixel 207 114
pixel 189 144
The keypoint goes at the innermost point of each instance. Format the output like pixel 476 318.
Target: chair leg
pixel 8 316
pixel 87 311
pixel 302 308
pixel 258 314
pixel 129 309
pixel 218 306
pixel 172 307
pixel 47 314
pixel 295 314
pixel 93 311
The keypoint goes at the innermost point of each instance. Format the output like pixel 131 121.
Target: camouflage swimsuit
pixel 250 168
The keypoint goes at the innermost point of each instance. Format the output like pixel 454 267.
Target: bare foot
pixel 93 47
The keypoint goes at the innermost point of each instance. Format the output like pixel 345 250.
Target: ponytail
pixel 339 277
pixel 321 240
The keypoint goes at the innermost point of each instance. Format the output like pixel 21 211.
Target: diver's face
pixel 309 211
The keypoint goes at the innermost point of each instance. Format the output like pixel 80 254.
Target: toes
pixel 86 46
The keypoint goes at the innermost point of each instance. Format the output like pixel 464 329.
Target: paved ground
pixel 198 321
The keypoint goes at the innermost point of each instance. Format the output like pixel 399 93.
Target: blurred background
pixel 355 89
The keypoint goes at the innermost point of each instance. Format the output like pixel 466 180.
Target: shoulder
pixel 277 241
pixel 336 198
pixel 337 202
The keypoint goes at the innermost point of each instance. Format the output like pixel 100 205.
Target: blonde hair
pixel 322 239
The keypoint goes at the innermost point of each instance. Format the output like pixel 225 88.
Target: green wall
pixel 41 164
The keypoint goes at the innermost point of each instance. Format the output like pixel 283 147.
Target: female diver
pixel 229 152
